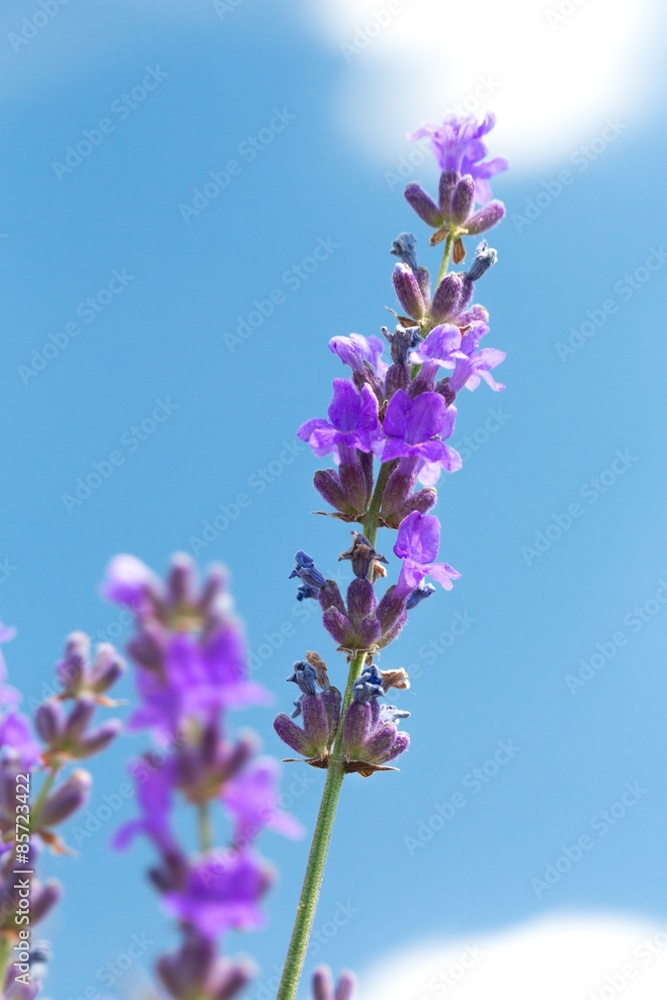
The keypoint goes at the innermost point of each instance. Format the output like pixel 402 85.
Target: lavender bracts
pixel 60 736
pixel 190 658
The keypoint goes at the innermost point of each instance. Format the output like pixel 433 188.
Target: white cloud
pixel 558 958
pixel 553 70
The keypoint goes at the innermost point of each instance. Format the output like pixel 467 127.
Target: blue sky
pixel 147 305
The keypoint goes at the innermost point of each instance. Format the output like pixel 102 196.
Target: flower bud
pixel 397 377
pixel 391 616
pixel 71 671
pixel 66 799
pixel 328 485
pixel 423 205
pixel 107 668
pixel 487 217
pixel 408 291
pixel 50 722
pixel 186 972
pixel 447 298
pixel 355 486
pixel 231 980
pixel 361 600
pixel 181 581
pixel 462 200
pixel 43 899
pixel 448 181
pixel 99 739
pixel 79 718
pixel 485 257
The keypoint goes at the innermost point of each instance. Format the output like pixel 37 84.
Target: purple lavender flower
pixel 358 351
pixel 17 742
pixel 415 429
pixel 154 785
pixel 417 545
pixel 370 735
pixel 457 143
pixel 221 892
pixel 475 363
pixel 319 709
pixel 195 970
pixel 191 668
pixel 8 694
pixel 353 423
pixel 129 581
pixel 252 798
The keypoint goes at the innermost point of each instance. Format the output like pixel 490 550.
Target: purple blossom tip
pixel 458 145
pixel 127 581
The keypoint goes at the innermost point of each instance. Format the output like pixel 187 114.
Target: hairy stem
pixel 447 254
pixel 370 523
pixel 317 857
pixel 312 883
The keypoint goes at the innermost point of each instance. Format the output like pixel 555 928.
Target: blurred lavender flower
pixel 28 821
pixel 191 668
pixel 323 987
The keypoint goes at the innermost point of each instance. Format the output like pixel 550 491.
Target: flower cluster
pixel 399 412
pixel 190 658
pixel 61 735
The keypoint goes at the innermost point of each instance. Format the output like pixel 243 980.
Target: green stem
pixel 446 257
pixel 5 950
pixel 370 523
pixel 204 826
pixel 317 857
pixel 41 798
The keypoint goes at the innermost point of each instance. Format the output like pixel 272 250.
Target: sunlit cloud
pixel 553 70
pixel 565 958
